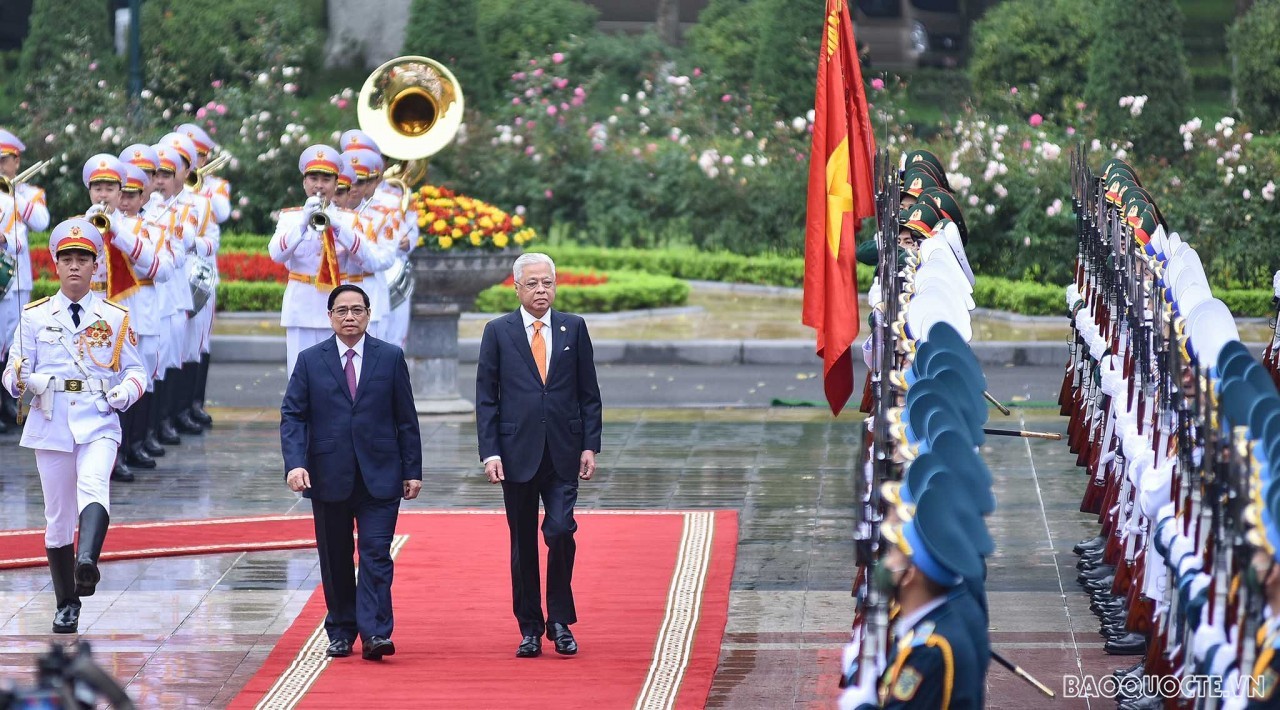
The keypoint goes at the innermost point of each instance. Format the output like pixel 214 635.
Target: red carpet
pixel 652 590
pixel 25 548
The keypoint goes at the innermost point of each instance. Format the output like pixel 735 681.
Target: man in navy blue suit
pixel 349 434
pixel 538 422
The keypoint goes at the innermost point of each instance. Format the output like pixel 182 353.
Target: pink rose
pixel 697 71
pixel 877 83
pixel 1035 120
pixel 551 110
pixel 222 109
pixel 579 92
pixel 557 57
pixel 201 113
pixel 217 84
pixel 93 66
pixel 564 106
pixel 1071 130
pixel 515 101
pixel 518 76
pixel 1026 145
pixel 561 83
pixel 549 194
pixel 528 150
pixel 726 98
pixel 342 103
pixel 577 101
pixel 1013 90
pixel 537 72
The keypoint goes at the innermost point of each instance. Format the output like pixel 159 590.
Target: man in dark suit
pixel 538 422
pixel 349 434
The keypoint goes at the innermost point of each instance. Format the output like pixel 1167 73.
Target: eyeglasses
pixel 344 311
pixel 533 284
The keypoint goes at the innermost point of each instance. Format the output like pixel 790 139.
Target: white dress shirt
pixel 357 361
pixel 546 331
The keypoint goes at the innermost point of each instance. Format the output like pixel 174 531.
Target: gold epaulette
pixel 33 304
pixel 117 305
pixel 290 209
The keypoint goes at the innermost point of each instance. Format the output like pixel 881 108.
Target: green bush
pixel 190 44
pixel 1026 297
pixel 53 22
pixel 447 31
pixel 1255 44
pixel 250 296
pixel 514 29
pixel 1122 64
pixel 1039 47
pixel 624 291
pixel 726 42
pixel 786 61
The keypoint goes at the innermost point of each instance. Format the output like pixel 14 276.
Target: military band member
pixel 144 305
pixel 404 226
pixel 378 233
pixel 27 213
pixel 343 195
pixel 218 192
pixel 180 226
pixel 320 243
pixel 77 354
pixel 203 249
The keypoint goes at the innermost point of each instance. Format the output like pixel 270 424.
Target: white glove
pixel 118 397
pixel 1206 637
pixel 312 205
pixel 99 207
pixel 1275 284
pixel 873 293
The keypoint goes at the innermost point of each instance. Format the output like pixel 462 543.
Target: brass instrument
pixel 7 185
pixel 195 178
pixel 100 220
pixel 412 108
pixel 319 220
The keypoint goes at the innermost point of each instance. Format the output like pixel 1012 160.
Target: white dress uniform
pixel 379 254
pixel 180 229
pixel 145 303
pixel 29 213
pixel 204 248
pixel 396 328
pixel 81 375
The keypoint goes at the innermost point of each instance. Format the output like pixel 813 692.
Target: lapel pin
pixel 562 329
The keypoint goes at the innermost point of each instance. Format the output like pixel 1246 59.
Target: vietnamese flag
pixel 840 196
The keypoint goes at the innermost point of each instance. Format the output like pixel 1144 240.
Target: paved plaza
pixel 192 630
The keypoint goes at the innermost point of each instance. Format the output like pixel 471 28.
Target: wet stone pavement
pixel 190 631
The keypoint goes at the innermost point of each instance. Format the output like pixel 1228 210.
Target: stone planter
pixel 445 286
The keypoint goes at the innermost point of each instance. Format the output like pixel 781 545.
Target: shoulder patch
pixel 33 304
pixel 117 305
pixel 907 684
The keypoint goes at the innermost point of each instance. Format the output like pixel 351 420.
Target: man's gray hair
pixel 529 259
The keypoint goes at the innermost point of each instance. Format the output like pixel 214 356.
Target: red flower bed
pixel 42 265
pixel 249 266
pixel 571 278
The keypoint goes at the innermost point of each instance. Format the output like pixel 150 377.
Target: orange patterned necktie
pixel 539 347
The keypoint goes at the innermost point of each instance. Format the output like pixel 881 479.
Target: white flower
pixel 798 124
pixel 1228 131
pixel 1269 191
pixel 1226 179
pixel 644 111
pixel 762 161
pixel 727 160
pixel 285 139
pixel 640 96
pixel 263 79
pixel 613 120
pixel 624 98
pixel 264 116
pixel 1241 169
pixel 809 116
pixel 1248 136
pixel 287 71
pixel 1001 191
pixel 989 209
pixel 1246 194
pixel 70 129
pixel 973 200
pixel 290 88
pixel 146 94
pixel 749 160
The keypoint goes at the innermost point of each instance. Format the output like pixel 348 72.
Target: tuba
pixel 8 186
pixel 412 108
pixel 195 178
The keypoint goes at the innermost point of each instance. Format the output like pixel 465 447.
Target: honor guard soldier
pixel 319 243
pixel 200 271
pixel 218 191
pixel 26 212
pixel 404 231
pixel 144 305
pixel 379 231
pixel 77 354
pixel 165 210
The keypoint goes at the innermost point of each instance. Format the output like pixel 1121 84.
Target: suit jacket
pixel 518 417
pixel 333 437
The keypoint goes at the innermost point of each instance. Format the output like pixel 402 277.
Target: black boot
pixel 120 471
pixel 62 568
pixel 135 453
pixel 198 413
pixel 150 443
pixel 184 395
pixel 93 532
pixel 165 431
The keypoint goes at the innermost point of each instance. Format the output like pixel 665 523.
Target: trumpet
pixel 195 178
pixel 7 185
pixel 319 221
pixel 99 219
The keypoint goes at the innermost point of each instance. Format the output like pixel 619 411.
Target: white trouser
pixel 71 481
pixel 395 327
pixel 149 348
pixel 199 327
pixel 10 311
pixel 297 339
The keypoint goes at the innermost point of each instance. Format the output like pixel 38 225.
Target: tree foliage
pixel 1039 46
pixel 1255 43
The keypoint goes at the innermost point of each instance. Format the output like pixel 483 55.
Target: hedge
pixel 625 291
pixel 232 295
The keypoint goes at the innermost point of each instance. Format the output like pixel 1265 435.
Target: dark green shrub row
pixel 625 291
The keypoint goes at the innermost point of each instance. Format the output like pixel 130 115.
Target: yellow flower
pixel 460 220
pixel 439 225
pixel 500 240
pixel 457 233
pixel 486 223
pixel 431 216
pixel 517 221
pixel 445 242
pixel 476 239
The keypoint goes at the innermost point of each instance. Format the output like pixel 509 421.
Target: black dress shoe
pixel 1093 543
pixel 1137 669
pixel 138 457
pixel 376 647
pixel 152 445
pixel 530 647
pixel 120 472
pixel 200 416
pixel 1127 645
pixel 167 435
pixel 341 648
pixel 1095 574
pixel 186 425
pixel 565 643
